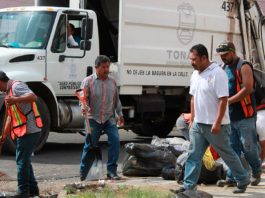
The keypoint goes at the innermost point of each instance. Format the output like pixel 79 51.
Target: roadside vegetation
pixel 121 191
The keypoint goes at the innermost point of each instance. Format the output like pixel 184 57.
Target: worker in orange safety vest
pixel 242 110
pixel 24 124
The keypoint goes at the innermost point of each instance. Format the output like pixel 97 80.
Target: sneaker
pixel 113 176
pixel 228 183
pixel 240 189
pixel 180 190
pixel 255 179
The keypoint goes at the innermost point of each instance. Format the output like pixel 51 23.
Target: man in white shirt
pixel 70 39
pixel 210 123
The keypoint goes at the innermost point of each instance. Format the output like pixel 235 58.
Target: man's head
pixel 3 81
pixel 199 57
pixel 102 64
pixel 227 52
pixel 70 29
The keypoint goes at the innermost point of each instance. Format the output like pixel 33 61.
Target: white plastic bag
pixel 260 124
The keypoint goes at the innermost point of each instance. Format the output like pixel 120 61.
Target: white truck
pixel 147 40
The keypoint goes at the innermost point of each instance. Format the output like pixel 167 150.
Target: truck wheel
pixel 10 145
pixel 159 127
pixel 46 121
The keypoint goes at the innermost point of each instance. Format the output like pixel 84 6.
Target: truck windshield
pixel 30 30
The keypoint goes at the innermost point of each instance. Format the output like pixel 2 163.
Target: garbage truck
pixel 148 42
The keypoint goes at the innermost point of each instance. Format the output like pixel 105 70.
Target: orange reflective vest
pixel 19 120
pixel 246 103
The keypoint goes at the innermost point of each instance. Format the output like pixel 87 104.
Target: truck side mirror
pixel 87 28
pixel 85 45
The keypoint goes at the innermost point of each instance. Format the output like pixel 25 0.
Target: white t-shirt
pixel 71 41
pixel 207 87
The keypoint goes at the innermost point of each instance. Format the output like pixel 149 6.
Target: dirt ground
pixel 52 188
pixel 58 165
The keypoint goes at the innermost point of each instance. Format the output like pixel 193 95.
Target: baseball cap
pixel 225 47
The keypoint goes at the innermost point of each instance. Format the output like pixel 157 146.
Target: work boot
pixel 34 192
pixel 17 195
pixel 82 178
pixel 255 179
pixel 228 183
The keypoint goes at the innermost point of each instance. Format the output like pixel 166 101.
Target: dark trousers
pixel 25 176
pixel 113 142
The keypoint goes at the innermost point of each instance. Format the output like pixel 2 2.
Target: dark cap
pixel 225 47
pixel 3 76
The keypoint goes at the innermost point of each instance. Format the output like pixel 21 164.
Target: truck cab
pixel 34 49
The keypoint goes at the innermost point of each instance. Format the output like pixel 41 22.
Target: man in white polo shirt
pixel 210 120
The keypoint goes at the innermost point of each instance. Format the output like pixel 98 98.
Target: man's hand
pixel 216 127
pixel 120 121
pixel 187 117
pixel 10 100
pixel 190 124
pixel 84 110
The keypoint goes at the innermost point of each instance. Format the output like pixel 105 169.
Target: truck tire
pixel 10 145
pixel 158 127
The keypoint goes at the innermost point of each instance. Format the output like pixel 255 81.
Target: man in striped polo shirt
pixel 103 105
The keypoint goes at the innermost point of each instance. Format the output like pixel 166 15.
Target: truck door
pixel 65 76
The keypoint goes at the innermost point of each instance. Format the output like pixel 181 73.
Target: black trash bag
pixel 194 194
pixel 176 152
pixel 173 173
pixel 148 152
pixel 146 160
pixel 168 173
pixel 133 166
pixel 211 177
pixel 179 173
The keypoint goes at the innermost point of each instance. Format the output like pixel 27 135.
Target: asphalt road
pixel 61 155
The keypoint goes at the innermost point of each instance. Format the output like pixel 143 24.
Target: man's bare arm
pixel 220 114
pixel 192 111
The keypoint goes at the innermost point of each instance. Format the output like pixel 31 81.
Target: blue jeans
pixel 244 139
pixel 111 130
pixel 25 176
pixel 201 136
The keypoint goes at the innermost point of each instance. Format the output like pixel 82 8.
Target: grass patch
pixel 122 192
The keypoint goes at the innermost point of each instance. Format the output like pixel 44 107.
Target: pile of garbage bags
pixel 147 159
pixel 166 158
